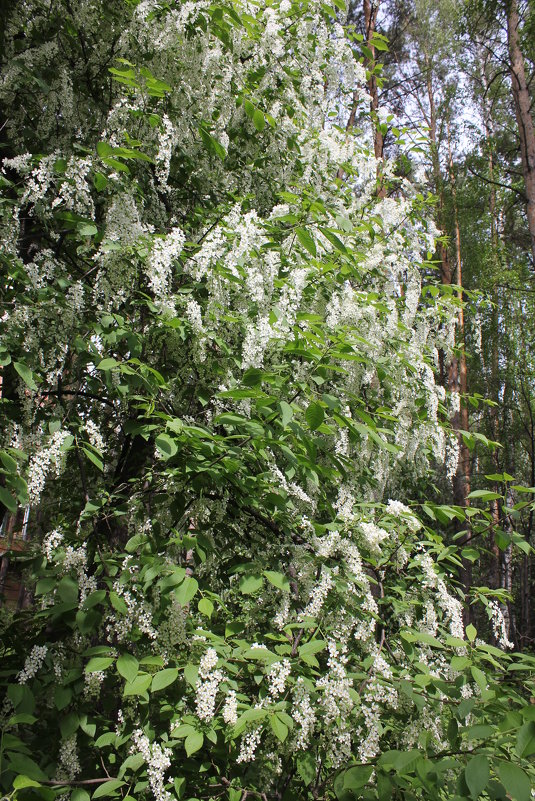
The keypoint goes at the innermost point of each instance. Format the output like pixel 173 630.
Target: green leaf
pixel 515 780
pixel 312 647
pixel 68 590
pixel 26 374
pixel 212 144
pixel 105 739
pixel 525 741
pixel 164 678
pixel 69 724
pixel 104 149
pixel 306 240
pixel 357 777
pixel 253 377
pixel 259 121
pixel 191 674
pixel 139 686
pixel 22 718
pixel 100 181
pixel 20 782
pixel 278 580
pixel 87 229
pixel 234 627
pixel 484 495
pixel 62 697
pixel 87 726
pixel 186 591
pixel 107 364
pixel 79 794
pixel 334 240
pixel 471 632
pixel 127 666
pixel 314 415
pixel 131 764
pixel 193 742
pixel 250 583
pixel 108 788
pixel 205 607
pixel 479 677
pixel 118 603
pixel 307 767
pixel 166 445
pixel 9 463
pixel 280 729
pixel 99 663
pixel 379 44
pixel 117 165
pixel 477 774
pixel 94 458
pixel 8 500
pixel 286 413
pixel 22 764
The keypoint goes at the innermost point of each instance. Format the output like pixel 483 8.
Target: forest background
pixel 462 74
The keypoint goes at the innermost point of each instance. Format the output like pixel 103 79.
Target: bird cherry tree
pixel 218 399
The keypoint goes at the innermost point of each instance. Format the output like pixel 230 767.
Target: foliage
pixel 218 372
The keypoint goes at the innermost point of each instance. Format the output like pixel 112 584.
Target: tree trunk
pixel 370 20
pixel 463 474
pixel 524 119
pixel 370 9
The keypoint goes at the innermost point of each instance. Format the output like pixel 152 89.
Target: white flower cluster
pixel 452 607
pixel 277 676
pixel 374 535
pixel 230 708
pixel 158 760
pixel 304 715
pixel 165 251
pixel 172 630
pixel 208 662
pixel 378 694
pixel 76 559
pixel 345 504
pixel 194 315
pixel 398 509
pixel 93 684
pixel 33 663
pixel 336 701
pixel 249 743
pixel 207 685
pixel 74 192
pixel 291 487
pixel 40 464
pixel 167 140
pixel 51 543
pixel 95 436
pixel 499 626
pixel 68 763
pixel 283 613
pixel 139 613
pixel 318 596
pixel 452 456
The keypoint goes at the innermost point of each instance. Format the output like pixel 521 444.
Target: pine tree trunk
pixel 522 102
pixel 370 10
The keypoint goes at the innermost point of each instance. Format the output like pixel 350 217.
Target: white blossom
pixel 158 760
pixel 33 663
pixel 230 708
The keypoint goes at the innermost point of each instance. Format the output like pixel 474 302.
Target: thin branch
pixel 68 392
pixel 497 183
pixel 74 782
